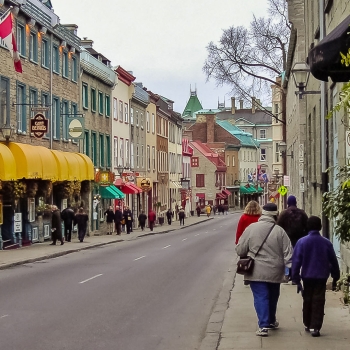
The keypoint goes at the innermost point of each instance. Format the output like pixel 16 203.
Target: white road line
pixel 167 246
pixel 141 257
pixel 91 278
pixel 197 234
pixel 4 316
pixel 185 239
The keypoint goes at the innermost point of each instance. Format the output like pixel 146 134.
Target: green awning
pixel 111 192
pixel 260 190
pixel 247 190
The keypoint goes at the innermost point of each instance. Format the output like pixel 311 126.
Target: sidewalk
pixel 240 323
pixel 42 251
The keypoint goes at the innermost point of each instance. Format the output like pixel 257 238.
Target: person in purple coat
pixel 313 261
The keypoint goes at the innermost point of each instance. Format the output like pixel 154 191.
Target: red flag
pixel 6 34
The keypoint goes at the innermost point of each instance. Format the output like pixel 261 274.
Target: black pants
pixel 67 232
pixel 56 237
pixel 182 220
pixel 169 221
pixel 81 233
pixel 118 228
pixel 142 225
pixel 128 226
pixel 314 301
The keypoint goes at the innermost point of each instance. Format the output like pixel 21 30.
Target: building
pixel 186 184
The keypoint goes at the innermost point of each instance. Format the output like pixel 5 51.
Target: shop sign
pixel 39 125
pixel 144 183
pixel 17 222
pixel 104 178
pixel 76 127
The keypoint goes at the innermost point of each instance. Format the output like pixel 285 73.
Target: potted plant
pixel 343 285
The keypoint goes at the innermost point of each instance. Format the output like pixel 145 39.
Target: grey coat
pixel 275 254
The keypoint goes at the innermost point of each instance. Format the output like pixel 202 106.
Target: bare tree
pixel 249 60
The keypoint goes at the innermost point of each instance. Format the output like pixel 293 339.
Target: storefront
pixel 32 179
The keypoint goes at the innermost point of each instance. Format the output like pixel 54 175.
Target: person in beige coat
pixel 269 264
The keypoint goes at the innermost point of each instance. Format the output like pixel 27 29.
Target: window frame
pixel 93 99
pixel 108 149
pixel 56 118
pixel 194 162
pixel 262 134
pixel 200 180
pixel 262 154
pixel 65 114
pixel 100 102
pixel 21 39
pixel 115 151
pixel 5 103
pixel 101 141
pixel 147 122
pixel 85 95
pixel 115 108
pixel 120 109
pixel 65 64
pixel 21 112
pixel 33 47
pixel 74 69
pixel 107 105
pixel 126 114
pixel 33 103
pixel 86 145
pixel 45 54
pixel 55 59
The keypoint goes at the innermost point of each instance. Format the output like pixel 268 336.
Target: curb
pixel 62 253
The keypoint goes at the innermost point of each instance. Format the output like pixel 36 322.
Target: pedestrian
pixel 169 216
pixel 128 220
pixel 215 208
pixel 208 210
pixel 314 255
pixel 67 216
pixel 142 220
pixel 151 219
pixel 226 209
pixel 109 215
pixel 56 225
pixel 293 220
pixel 182 216
pixel 198 210
pixel 81 219
pixel 252 213
pixel 118 219
pixel 275 251
pixel 220 209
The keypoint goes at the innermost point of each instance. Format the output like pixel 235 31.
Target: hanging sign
pixel 144 183
pixel 75 127
pixel 39 125
pixel 282 190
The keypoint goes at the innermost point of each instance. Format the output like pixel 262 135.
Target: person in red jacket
pixel 151 219
pixel 252 213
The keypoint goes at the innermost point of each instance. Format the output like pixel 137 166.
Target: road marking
pixel 185 239
pixel 141 257
pixel 197 234
pixel 4 316
pixel 167 246
pixel 91 278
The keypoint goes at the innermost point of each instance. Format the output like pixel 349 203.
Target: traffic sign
pixel 282 190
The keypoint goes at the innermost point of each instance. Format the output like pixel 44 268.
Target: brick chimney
pixel 210 127
pixel 253 105
pixel 233 105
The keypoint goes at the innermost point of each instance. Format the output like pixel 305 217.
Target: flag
pixel 6 34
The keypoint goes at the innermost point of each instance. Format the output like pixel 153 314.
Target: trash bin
pixel 192 212
pixel 161 220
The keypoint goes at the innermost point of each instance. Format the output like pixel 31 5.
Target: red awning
pixel 226 192
pixel 200 195
pixel 220 196
pixel 127 187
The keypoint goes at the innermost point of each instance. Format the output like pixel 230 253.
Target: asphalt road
pixel 152 293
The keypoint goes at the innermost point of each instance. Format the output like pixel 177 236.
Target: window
pixel 263 155
pixel 21 108
pixel 115 109
pixel 4 101
pixel 137 156
pixel 200 180
pixel 121 118
pixel 100 102
pixel 137 118
pixel 116 151
pixel 126 113
pixel 194 162
pixel 262 134
pixel 277 152
pixel 142 157
pixel 45 53
pixel 65 110
pixel 121 153
pixel 228 161
pixel 33 47
pixel 65 64
pixel 85 96
pixel 94 149
pixel 102 150
pixel 108 153
pixel 74 69
pixel 33 100
pixel 108 105
pixel 153 123
pixel 55 118
pixel 55 59
pixel 154 158
pixel 93 100
pixel 127 153
pixel 147 122
pixel 131 155
pixel 142 121
pixel 21 40
pixel 132 116
pixel 233 160
pixel 87 143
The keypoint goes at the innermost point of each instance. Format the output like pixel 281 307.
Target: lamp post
pixel 283 150
pixel 7 131
pixel 301 74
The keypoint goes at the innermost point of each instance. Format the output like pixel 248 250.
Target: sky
pixel 163 42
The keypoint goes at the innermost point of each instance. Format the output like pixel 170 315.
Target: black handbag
pixel 245 265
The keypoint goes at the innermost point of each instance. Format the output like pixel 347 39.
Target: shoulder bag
pixel 245 265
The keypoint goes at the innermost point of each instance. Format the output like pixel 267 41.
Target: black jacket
pixel 118 216
pixel 127 214
pixel 142 218
pixel 110 215
pixel 67 216
pixel 81 220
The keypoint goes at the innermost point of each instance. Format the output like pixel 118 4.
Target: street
pixel 151 293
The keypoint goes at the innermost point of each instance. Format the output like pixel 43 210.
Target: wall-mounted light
pixel 43 30
pixel 7 131
pixel 283 149
pixel 63 43
pixel 15 10
pixel 2 2
pixel 301 74
pixel 31 22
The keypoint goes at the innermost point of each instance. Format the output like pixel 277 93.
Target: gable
pixel 47 3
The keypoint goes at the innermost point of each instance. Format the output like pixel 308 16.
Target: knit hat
pixel 270 209
pixel 292 201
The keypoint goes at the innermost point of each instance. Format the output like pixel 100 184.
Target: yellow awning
pixel 7 164
pixel 49 164
pixel 90 174
pixel 73 167
pixel 62 165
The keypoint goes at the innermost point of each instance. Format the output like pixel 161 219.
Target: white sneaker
pixel 262 332
pixel 274 325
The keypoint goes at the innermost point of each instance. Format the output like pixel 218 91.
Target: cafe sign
pixel 39 125
pixel 144 183
pixel 104 178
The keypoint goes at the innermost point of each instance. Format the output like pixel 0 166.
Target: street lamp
pixel 301 74
pixel 7 131
pixel 283 149
pixel 120 169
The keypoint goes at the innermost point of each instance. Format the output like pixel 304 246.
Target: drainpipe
pixel 51 99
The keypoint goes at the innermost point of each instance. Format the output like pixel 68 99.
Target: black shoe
pixel 62 243
pixel 315 333
pixel 53 244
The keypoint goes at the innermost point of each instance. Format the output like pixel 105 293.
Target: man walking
pixel 128 220
pixel 142 220
pixel 169 216
pixel 182 216
pixel 314 255
pixel 109 214
pixel 118 218
pixel 151 219
pixel 81 220
pixel 56 225
pixel 67 216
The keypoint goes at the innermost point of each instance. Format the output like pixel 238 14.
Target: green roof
pixel 193 105
pixel 246 139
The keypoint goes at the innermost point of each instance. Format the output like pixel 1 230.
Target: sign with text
pixel 144 183
pixel 39 125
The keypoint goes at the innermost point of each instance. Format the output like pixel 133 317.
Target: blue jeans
pixel 266 296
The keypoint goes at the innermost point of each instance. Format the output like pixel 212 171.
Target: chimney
pixel 258 104
pixel 253 105
pixel 240 104
pixel 210 118
pixel 233 105
pixel 87 43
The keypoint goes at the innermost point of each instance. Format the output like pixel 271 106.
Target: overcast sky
pixel 163 42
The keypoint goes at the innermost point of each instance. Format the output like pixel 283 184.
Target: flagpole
pixel 5 14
